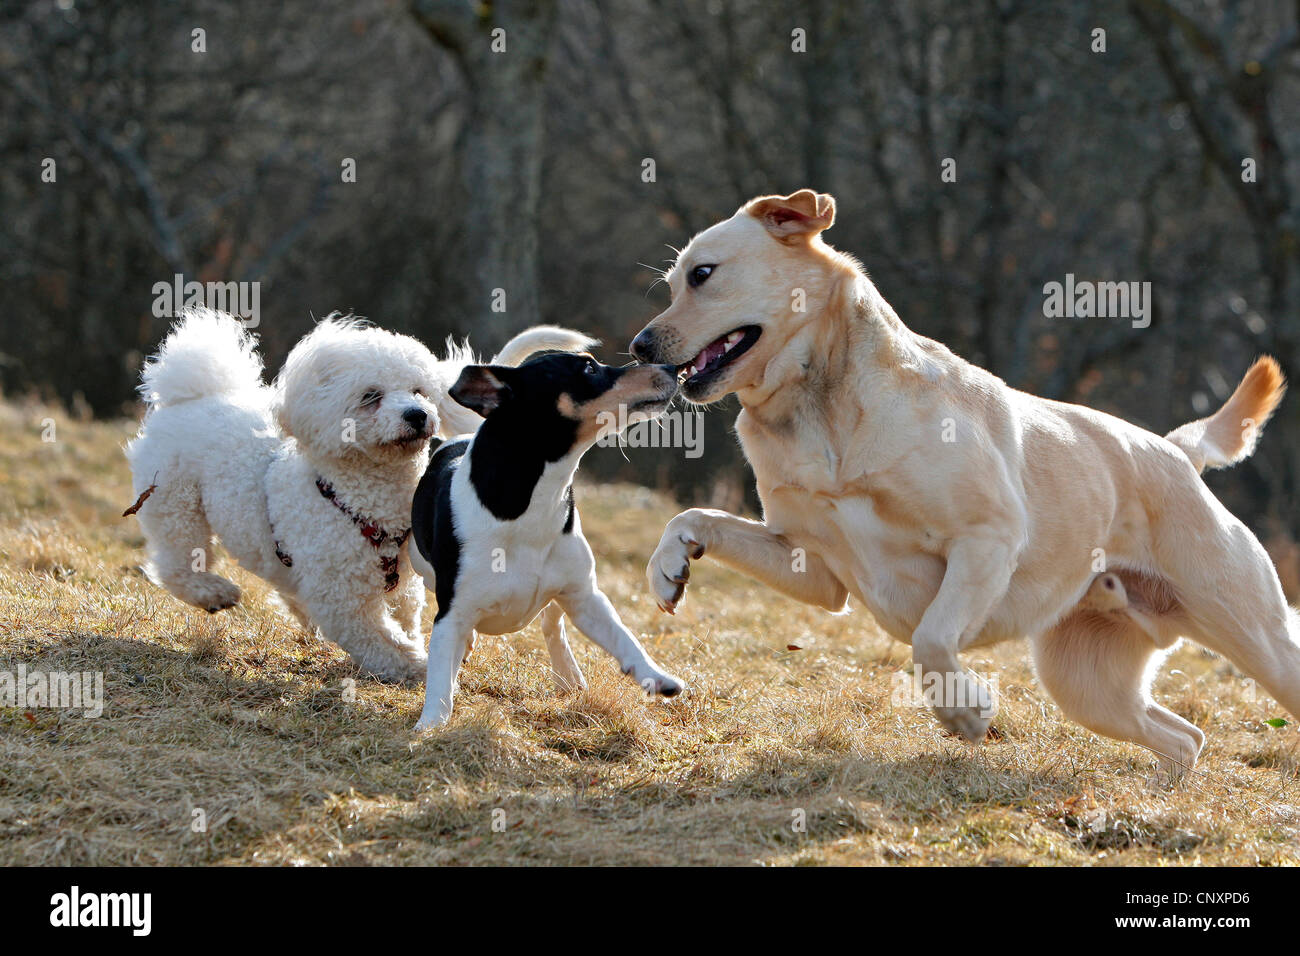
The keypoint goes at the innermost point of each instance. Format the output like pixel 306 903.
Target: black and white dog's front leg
pixel 592 613
pixel 448 646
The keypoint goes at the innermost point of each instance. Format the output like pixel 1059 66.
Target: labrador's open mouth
pixel 718 354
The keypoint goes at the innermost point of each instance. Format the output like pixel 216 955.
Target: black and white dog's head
pixel 541 417
pixel 564 402
pixel 494 525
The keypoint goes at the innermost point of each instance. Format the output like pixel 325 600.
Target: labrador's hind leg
pixel 1258 633
pixel 1230 596
pixel 1098 670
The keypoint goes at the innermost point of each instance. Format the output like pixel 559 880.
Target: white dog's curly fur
pixel 299 479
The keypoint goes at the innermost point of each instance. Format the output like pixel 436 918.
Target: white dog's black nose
pixel 416 418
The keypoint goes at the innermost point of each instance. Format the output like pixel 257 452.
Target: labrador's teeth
pixel 734 337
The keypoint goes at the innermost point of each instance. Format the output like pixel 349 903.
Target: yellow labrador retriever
pixel 958 510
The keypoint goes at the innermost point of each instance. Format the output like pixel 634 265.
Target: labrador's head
pixel 741 290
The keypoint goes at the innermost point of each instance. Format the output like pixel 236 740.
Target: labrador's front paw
pixel 670 565
pixel 965 721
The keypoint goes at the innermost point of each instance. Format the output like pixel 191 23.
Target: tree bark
pixel 1238 97
pixel 495 276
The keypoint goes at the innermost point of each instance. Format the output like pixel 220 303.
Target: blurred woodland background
pixel 525 170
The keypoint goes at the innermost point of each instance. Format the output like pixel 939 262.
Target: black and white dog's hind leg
pixel 565 670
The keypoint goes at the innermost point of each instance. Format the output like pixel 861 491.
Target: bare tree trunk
pixel 502 50
pixel 1238 96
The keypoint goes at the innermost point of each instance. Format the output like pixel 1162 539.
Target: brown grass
pixel 252 721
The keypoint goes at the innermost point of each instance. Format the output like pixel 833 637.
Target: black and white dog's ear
pixel 481 388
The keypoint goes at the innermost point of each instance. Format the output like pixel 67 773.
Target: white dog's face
pixel 349 389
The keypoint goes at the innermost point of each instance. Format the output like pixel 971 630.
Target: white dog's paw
pixel 212 592
pixel 670 565
pixel 395 661
pixel 417 663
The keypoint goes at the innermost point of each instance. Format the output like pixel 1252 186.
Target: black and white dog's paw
pixel 655 681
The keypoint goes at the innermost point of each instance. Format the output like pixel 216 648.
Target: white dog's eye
pixel 371 397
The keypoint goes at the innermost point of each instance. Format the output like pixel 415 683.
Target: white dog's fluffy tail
pixel 1229 435
pixel 205 353
pixel 539 338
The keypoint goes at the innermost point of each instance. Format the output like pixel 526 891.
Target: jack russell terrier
pixel 494 529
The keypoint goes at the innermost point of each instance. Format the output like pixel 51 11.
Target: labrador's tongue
pixel 711 351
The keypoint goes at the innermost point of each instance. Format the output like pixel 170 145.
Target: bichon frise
pixel 308 482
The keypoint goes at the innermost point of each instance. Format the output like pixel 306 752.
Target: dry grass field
pixel 789 749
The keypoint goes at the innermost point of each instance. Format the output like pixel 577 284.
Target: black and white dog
pixel 494 529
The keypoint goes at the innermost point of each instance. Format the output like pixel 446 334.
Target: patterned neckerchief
pixel 380 539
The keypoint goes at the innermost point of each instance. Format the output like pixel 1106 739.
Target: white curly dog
pixel 307 482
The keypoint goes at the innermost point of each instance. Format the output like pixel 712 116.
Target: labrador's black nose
pixel 416 418
pixel 643 346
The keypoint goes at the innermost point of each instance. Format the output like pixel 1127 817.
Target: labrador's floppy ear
pixel 800 215
pixel 480 387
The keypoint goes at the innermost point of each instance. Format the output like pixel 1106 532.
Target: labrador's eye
pixel 589 368
pixel 697 276
pixel 371 397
